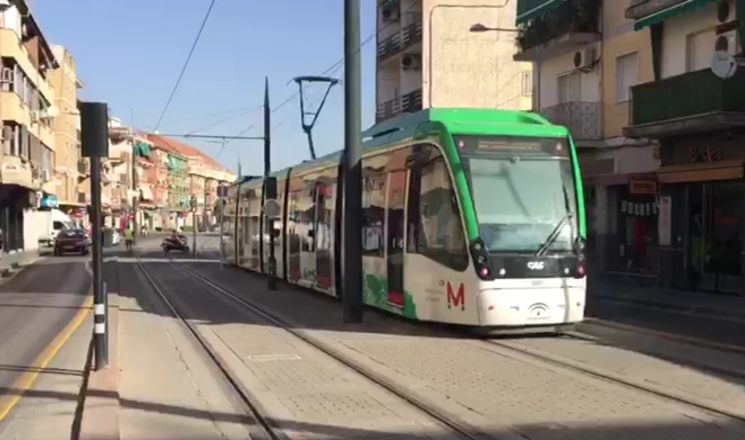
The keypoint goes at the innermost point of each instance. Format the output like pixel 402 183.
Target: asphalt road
pixel 35 306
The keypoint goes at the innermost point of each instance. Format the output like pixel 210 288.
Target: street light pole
pixel 352 179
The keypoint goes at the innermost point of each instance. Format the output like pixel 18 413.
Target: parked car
pixel 72 240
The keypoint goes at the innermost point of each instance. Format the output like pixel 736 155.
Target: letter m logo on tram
pixel 456 299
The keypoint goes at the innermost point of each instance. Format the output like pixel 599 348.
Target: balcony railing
pixel 409 36
pixel 408 103
pixel 581 118
pixel 687 95
pixel 642 8
pixel 570 17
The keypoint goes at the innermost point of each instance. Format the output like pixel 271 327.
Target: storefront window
pixel 722 226
pixel 636 232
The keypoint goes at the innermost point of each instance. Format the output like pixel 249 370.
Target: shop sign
pixel 706 154
pixel 642 185
pixel 49 201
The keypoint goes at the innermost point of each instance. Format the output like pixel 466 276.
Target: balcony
pixel 693 102
pixel 16 171
pixel 564 27
pixel 408 103
pixel 397 43
pixel 581 118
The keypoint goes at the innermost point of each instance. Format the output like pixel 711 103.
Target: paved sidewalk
pixel 488 388
pixel 17 260
pixel 308 394
pixel 159 386
pixel 692 302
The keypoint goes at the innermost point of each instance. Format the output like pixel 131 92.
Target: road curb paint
pixel 26 380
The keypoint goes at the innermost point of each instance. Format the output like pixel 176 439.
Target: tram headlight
pixel 481 259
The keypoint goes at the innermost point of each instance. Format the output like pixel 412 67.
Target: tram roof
pixel 481 121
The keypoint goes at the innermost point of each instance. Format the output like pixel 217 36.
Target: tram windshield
pixel 523 192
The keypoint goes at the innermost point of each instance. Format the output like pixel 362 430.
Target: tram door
pixel 323 234
pixel 395 236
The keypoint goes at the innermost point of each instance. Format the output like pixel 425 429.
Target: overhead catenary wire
pixel 186 65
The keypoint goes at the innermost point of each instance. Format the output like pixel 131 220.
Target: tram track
pixel 498 347
pixel 271 429
pixel 581 368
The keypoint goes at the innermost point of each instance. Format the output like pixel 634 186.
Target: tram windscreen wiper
pixel 557 229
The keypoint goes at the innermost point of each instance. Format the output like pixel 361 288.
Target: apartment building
pixel 204 175
pixel 654 97
pixel 177 180
pixel 27 157
pixel 585 59
pixel 146 184
pixel 693 105
pixel 455 53
pixel 65 83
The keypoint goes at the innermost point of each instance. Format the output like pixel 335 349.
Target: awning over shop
pixel 701 172
pixel 672 11
pixel 530 9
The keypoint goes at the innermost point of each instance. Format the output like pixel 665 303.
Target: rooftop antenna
pixel 308 127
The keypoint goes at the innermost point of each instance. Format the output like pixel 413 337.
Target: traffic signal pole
pixel 94 131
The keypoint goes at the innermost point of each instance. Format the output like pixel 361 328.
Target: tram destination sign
pixel 513 144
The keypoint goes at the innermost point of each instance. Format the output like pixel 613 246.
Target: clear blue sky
pixel 129 53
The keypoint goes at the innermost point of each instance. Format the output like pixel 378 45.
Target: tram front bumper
pixel 517 307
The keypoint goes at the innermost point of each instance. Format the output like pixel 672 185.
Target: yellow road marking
pixel 27 379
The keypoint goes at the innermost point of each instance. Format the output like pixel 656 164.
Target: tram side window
pixel 373 211
pixel 435 228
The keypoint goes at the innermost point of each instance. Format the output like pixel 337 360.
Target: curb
pixel 100 418
pixel 695 310
pixel 16 267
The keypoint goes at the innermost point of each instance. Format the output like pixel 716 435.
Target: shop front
pixel 633 239
pixel 702 196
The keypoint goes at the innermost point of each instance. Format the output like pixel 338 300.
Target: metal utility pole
pixel 221 198
pixel 270 188
pixel 94 130
pixel 135 189
pixel 352 243
pixel 193 203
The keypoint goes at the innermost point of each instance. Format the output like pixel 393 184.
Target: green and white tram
pixel 472 217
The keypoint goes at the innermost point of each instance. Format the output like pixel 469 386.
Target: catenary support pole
pixel 94 129
pixel 222 230
pixel 352 242
pixel 272 282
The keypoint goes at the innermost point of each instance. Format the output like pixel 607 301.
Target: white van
pixel 54 221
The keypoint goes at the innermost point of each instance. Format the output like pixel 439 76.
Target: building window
pixel 570 87
pixel 699 49
pixel 627 75
pixel 526 83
